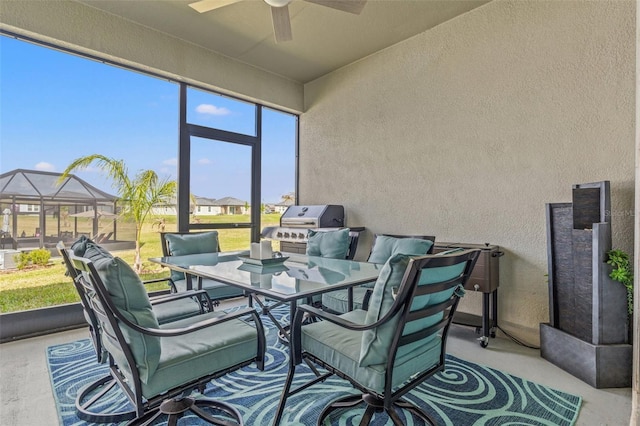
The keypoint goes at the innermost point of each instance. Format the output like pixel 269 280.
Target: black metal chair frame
pixel 354 238
pixel 173 402
pixel 407 291
pixel 83 403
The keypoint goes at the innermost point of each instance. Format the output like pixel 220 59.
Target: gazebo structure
pixel 39 210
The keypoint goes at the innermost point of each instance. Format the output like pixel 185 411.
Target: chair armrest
pixel 296 327
pixel 156 280
pixel 200 294
pixel 172 332
pixel 172 286
pixel 330 317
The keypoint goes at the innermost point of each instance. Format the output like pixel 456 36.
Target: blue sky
pixel 55 107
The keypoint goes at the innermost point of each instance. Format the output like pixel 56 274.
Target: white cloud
pixel 170 162
pixel 212 110
pixel 204 161
pixel 45 167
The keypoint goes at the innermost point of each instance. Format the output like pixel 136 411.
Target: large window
pixel 234 161
pixel 238 159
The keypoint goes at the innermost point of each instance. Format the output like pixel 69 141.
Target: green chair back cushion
pixel 130 297
pixel 431 276
pixel 386 247
pixel 376 342
pixel 183 244
pixel 333 244
pixel 79 248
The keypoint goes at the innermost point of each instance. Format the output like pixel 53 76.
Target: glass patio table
pixel 295 277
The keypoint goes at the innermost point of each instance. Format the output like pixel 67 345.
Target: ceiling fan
pixel 280 11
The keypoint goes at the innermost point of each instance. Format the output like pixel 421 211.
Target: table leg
pixel 283 330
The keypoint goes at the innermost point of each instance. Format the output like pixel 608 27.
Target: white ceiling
pixel 324 39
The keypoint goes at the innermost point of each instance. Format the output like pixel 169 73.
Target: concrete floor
pixel 26 396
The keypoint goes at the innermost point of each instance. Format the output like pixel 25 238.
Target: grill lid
pixel 312 217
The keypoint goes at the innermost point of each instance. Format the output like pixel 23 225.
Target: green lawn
pixel 48 286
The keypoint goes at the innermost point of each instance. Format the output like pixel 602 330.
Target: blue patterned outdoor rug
pixel 464 394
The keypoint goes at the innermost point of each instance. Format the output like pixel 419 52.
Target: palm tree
pixel 288 197
pixel 137 195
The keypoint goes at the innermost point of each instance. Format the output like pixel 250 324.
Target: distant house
pixel 203 206
pixel 206 207
pixel 168 208
pixel 230 205
pixel 282 206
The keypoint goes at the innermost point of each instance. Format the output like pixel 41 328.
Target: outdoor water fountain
pixel 587 334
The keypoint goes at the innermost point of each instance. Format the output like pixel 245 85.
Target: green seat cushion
pixel 386 247
pixel 340 348
pixel 193 355
pixel 175 310
pixel 131 299
pixel 183 244
pixel 215 289
pixel 337 301
pixel 333 244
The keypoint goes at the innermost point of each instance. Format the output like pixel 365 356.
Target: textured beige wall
pixel 88 30
pixel 467 130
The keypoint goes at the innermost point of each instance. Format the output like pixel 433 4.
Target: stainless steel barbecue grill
pixel 296 222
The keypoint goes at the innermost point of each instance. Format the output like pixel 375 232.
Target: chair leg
pixel 348 401
pixel 368 415
pixel 176 407
pixel 415 410
pixel 375 405
pixel 83 405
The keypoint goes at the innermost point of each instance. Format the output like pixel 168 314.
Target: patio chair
pixel 104 237
pixel 167 308
pixel 384 247
pixel 157 366
pixel 333 244
pixel 183 243
pixel 394 346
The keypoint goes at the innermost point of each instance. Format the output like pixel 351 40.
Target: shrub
pixel 22 260
pixel 39 257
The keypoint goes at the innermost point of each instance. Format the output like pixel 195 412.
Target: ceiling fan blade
pixel 207 5
pixel 281 23
pixel 351 6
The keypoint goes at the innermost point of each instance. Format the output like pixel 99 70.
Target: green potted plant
pixel 623 273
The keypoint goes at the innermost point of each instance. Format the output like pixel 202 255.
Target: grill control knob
pixel 286 235
pixel 279 234
pixel 301 236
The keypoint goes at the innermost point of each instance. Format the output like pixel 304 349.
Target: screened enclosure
pixel 39 209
